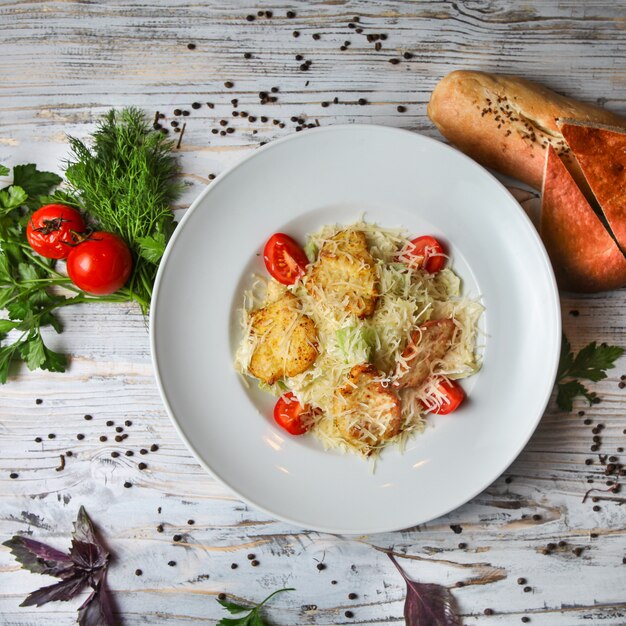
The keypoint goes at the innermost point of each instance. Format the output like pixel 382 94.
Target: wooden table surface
pixel 62 64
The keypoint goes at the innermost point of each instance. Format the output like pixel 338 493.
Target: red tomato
pixel 453 396
pixel 292 416
pixel 53 229
pixel 101 264
pixel 427 254
pixel 284 258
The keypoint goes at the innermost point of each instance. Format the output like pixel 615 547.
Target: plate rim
pixel 554 301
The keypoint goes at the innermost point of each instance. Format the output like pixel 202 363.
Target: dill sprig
pixel 126 181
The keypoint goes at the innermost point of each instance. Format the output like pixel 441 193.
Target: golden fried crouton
pixel 428 344
pixel 285 341
pixel 365 412
pixel 345 274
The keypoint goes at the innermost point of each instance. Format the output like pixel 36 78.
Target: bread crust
pixel 584 255
pixel 506 123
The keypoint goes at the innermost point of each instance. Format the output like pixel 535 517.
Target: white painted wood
pixel 64 63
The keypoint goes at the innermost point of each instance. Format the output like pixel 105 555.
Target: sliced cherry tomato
pixel 53 229
pixel 284 258
pixel 427 254
pixel 453 395
pixel 292 416
pixel 101 264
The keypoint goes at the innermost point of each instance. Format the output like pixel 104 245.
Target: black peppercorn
pixel 128 485
pixel 138 572
pixel 154 447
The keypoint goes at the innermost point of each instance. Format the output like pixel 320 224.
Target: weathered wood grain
pixel 64 63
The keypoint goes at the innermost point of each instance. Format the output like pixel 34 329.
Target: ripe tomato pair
pixel 99 263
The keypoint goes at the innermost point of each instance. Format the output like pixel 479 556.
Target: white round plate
pixel 295 185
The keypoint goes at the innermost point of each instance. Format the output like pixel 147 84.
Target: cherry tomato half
pixel 52 230
pixel 284 259
pixel 292 416
pixel 101 264
pixel 428 254
pixel 453 395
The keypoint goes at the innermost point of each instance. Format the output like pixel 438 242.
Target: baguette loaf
pixel 506 123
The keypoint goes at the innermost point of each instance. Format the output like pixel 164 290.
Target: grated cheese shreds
pixel 408 297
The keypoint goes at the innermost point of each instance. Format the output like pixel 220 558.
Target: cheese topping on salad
pixel 362 338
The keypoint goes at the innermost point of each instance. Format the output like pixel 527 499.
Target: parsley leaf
pixel 253 617
pixel 152 247
pixel 11 198
pixel 34 182
pixel 591 363
pixel 4 170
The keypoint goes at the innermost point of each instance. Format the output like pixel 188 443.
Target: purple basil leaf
pixel 83 528
pixel 64 590
pixel 40 558
pixel 427 604
pixel 88 556
pixel 97 609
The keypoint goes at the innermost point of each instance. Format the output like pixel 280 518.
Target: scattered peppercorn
pixel 349 614
pixel 80 436
pixel 14 475
pixel 69 453
pixel 38 439
pixel 488 611
pixel 128 485
pixel 401 109
pixel 456 529
pixel 254 562
pixel 577 551
pixel 229 84
pixel 407 55
pixel 527 589
pixel 154 447
pixel 562 543
pixel 234 566
pixel 159 528
pixel 536 517
pixel 521 581
pixel 462 546
pixel 115 454
pixel 138 572
pixel 596 508
pixel 352 596
pixel 321 566
pixel 173 563
pixel 525 619
pixel 103 438
pixel 394 61
pixel 51 435
pixel 142 466
pixel 191 46
pixel 38 401
pixel 296 33
pixel 362 101
pixel 88 417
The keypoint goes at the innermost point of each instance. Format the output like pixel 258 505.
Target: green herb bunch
pixel 126 182
pixel 123 183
